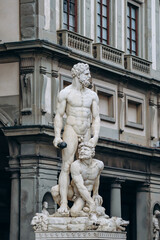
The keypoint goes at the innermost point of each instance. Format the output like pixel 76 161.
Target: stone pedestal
pixel 76 235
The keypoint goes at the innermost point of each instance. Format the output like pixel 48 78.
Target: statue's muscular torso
pixel 88 173
pixel 78 108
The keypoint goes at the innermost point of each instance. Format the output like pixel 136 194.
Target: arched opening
pixel 52 206
pixel 156 207
pixel 5 189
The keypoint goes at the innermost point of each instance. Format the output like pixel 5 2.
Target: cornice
pixel 104 144
pixel 55 50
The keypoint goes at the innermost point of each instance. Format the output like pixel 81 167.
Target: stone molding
pixel 79 235
pixel 5 119
pixel 49 48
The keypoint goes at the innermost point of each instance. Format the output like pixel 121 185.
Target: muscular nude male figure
pixel 81 107
pixel 85 174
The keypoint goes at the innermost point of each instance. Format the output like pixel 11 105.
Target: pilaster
pixel 144 226
pixel 34 166
pixel 15 201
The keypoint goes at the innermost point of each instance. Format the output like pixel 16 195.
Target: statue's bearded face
pixel 85 153
pixel 84 78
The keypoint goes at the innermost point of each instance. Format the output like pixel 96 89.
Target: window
pixel 134 112
pixel 106 103
pixel 132 29
pixel 70 15
pixel 65 81
pixel 103 21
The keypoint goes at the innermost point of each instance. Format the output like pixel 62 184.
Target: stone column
pixel 116 198
pixel 143 212
pixel 14 212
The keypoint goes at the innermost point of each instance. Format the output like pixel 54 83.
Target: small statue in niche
pixel 156 228
pixel 44 208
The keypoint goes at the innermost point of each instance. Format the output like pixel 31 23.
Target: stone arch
pixel 156 206
pixel 5 119
pixel 52 206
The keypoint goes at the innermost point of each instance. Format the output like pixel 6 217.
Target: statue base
pixel 77 235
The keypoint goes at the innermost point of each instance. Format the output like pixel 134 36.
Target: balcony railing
pixel 108 54
pixel 136 64
pixel 74 41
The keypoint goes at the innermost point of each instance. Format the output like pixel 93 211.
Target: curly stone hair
pixel 87 145
pixel 78 69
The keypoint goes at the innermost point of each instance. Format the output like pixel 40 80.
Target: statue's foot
pixel 63 209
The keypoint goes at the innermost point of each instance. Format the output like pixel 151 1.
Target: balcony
pixel 75 41
pixel 108 54
pixel 136 64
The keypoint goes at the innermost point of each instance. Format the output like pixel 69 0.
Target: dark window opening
pixel 70 15
pixel 132 29
pixel 103 21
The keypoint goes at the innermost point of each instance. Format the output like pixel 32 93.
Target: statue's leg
pixel 70 193
pixel 70 137
pixel 56 194
pixel 76 210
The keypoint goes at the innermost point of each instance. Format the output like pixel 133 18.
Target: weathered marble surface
pixel 42 222
pixel 85 174
pixel 80 104
pixel 89 235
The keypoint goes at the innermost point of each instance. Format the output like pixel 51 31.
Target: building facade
pixel 40 41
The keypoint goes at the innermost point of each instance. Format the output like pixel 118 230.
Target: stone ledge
pixel 137 64
pixel 75 41
pixel 80 235
pixel 108 54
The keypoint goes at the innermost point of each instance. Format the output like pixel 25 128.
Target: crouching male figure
pixel 85 174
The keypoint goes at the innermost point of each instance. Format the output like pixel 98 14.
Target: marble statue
pixel 87 212
pixel 85 174
pixel 40 220
pixel 80 104
pixel 86 215
pixel 156 228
